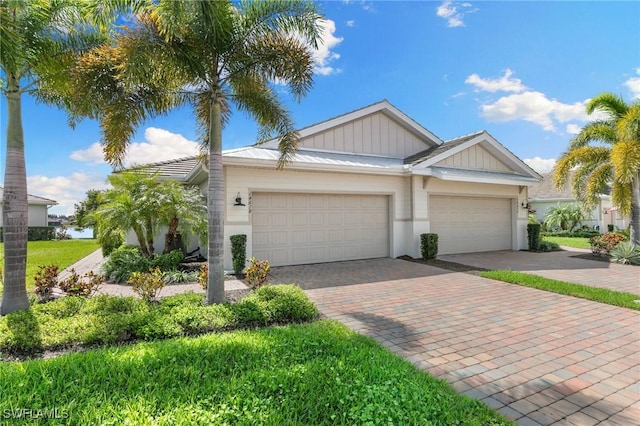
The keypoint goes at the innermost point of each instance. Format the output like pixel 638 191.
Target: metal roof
pixel 437 150
pixel 32 199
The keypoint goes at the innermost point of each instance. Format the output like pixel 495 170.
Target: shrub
pixel 178 276
pixel 239 253
pixel 275 303
pixel 531 218
pixel 533 236
pixel 203 275
pixel 45 279
pixel 603 244
pixel 126 260
pixel 625 253
pixel 610 227
pixel 110 242
pixel 147 284
pixel 84 286
pixel 574 234
pixel 429 246
pixel 257 272
pixel 547 246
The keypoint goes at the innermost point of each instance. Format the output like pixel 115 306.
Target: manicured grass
pixel 106 319
pixel 602 295
pixel 313 374
pixel 62 253
pixel 569 242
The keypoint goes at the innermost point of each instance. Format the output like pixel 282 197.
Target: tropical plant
pixel 141 202
pixel 45 279
pixel 625 253
pixel 606 152
pixel 39 39
pixel 564 217
pixel 208 55
pixel 147 284
pixel 257 272
pixel 603 244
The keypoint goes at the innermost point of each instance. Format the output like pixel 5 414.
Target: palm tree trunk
pixel 149 241
pixel 635 210
pixel 215 205
pixel 141 241
pixel 171 234
pixel 14 207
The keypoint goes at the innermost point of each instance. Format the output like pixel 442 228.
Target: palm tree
pixel 38 39
pixel 208 55
pixel 567 217
pixel 606 152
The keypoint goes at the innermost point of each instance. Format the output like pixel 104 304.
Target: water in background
pixel 85 233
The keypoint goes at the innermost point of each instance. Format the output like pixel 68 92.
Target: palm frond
pixel 612 105
pixel 629 125
pixel 621 196
pixel 595 131
pixel 625 157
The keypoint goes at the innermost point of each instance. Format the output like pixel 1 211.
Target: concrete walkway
pixel 559 265
pixel 539 358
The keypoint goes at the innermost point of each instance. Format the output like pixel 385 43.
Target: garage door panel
pixel 291 229
pixel 471 224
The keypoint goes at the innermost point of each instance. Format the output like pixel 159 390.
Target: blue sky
pixel 521 70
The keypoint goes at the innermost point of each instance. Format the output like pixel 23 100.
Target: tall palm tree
pixel 606 152
pixel 208 55
pixel 38 39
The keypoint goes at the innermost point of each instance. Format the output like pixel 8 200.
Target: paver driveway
pixel 538 357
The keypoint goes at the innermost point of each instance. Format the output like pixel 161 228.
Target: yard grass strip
pixel 62 253
pixel 320 373
pixel 595 294
pixel 582 243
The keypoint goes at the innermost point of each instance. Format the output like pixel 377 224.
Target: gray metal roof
pixel 437 150
pixel 176 169
pixel 318 157
pixel 32 199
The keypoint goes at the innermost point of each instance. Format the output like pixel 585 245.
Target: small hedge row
pixel 106 319
pixel 574 234
pixel 36 233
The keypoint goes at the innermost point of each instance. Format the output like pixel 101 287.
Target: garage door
pixel 295 229
pixel 470 224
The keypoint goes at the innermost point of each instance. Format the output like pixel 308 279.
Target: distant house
pixel 366 184
pixel 544 196
pixel 38 209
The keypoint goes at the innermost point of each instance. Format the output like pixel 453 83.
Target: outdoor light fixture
pixel 525 205
pixel 238 200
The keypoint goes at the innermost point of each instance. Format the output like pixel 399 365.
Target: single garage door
pixel 471 224
pixel 296 229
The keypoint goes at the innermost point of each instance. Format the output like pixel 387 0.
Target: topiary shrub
pixel 533 236
pixel 429 246
pixel 239 253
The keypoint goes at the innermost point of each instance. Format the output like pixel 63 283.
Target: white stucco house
pixel 366 184
pixel 38 209
pixel 544 196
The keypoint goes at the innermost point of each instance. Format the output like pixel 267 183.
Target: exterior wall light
pixel 238 200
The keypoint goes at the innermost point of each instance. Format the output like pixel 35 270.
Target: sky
pixel 523 71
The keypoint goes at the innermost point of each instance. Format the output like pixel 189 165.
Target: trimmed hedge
pixel 429 246
pixel 36 233
pixel 533 236
pixel 239 253
pixel 574 234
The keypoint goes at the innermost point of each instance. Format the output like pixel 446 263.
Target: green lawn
pixel 62 253
pixel 596 294
pixel 312 374
pixel 569 242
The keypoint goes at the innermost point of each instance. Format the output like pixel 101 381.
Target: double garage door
pixel 296 229
pixel 471 224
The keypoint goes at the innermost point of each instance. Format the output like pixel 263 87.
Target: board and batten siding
pixel 475 157
pixel 247 180
pixel 375 134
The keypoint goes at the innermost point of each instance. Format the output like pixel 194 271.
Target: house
pixel 544 196
pixel 38 209
pixel 366 184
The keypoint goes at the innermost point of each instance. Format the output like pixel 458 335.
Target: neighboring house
pixel 366 184
pixel 544 196
pixel 38 209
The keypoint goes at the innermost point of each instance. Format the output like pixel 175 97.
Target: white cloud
pixel 323 56
pixel 66 190
pixel 573 129
pixel 454 12
pixel 633 83
pixel 160 145
pixel 350 23
pixel 504 83
pixel 541 165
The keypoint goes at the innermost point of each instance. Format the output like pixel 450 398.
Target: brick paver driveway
pixel 538 357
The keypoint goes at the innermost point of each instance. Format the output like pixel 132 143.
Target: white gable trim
pixel 494 147
pixel 383 106
pixel 478 177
